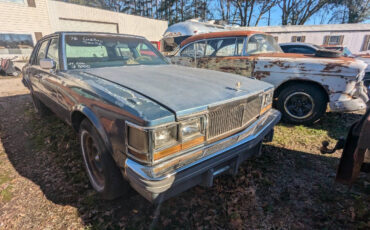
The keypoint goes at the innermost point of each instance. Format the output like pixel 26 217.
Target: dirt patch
pixel 43 183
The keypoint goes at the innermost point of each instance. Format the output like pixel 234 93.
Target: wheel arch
pixel 81 112
pixel 291 82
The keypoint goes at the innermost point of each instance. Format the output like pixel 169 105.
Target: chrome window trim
pixel 209 39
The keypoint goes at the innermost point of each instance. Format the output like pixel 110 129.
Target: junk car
pixel 308 48
pixel 160 128
pixel 304 84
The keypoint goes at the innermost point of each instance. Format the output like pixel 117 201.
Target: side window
pixel 210 49
pixel 200 48
pixel 212 46
pixel 226 47
pixel 41 52
pixel 188 51
pixel 300 50
pixel 239 46
pixel 193 49
pixel 304 50
pixel 285 48
pixel 53 51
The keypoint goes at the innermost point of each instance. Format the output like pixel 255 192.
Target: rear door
pixel 56 83
pixel 35 72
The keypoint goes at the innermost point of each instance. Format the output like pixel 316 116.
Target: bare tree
pixel 350 11
pixel 249 10
pixel 297 12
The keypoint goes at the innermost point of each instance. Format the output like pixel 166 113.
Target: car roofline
pixel 92 33
pixel 221 34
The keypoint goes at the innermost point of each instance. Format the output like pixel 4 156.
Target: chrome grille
pixel 232 116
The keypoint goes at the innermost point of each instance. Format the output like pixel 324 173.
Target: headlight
pixel 165 136
pixel 152 144
pixel 268 98
pixel 191 128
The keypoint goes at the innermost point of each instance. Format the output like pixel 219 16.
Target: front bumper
pixel 223 156
pixel 356 100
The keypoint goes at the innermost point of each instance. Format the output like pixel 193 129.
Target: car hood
pixel 182 90
pixel 308 64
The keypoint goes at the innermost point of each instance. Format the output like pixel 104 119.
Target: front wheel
pixel 302 103
pixel 104 175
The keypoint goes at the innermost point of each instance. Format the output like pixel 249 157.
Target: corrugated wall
pixel 93 19
pixel 21 18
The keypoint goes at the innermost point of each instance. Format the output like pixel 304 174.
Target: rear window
pixel 262 43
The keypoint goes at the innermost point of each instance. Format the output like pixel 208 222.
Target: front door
pixel 221 54
pixel 227 55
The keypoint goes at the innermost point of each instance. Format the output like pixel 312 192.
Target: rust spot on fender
pixel 261 74
pixel 330 67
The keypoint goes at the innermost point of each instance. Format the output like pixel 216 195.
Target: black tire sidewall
pixel 318 96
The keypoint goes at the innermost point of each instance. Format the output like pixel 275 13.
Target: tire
pixel 40 108
pixel 302 103
pixel 104 175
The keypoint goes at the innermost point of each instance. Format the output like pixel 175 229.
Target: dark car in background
pixel 141 121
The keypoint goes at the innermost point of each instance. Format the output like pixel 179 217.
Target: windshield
pixel 96 51
pixel 262 43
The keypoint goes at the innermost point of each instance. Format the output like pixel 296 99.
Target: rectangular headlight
pixel 268 98
pixel 152 144
pixel 191 128
pixel 166 136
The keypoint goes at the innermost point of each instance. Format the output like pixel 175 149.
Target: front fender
pixel 89 114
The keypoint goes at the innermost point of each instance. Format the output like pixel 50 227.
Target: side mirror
pixel 47 63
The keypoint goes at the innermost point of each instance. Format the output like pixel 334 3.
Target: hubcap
pixel 92 159
pixel 299 105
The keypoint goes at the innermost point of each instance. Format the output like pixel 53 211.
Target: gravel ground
pixel 43 184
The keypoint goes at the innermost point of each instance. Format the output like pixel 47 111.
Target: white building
pixel 354 36
pixel 23 22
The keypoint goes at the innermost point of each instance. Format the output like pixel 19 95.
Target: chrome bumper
pixel 158 183
pixel 356 100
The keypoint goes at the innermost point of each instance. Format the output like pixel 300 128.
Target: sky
pixel 276 17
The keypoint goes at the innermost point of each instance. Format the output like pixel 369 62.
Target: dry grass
pixel 290 186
